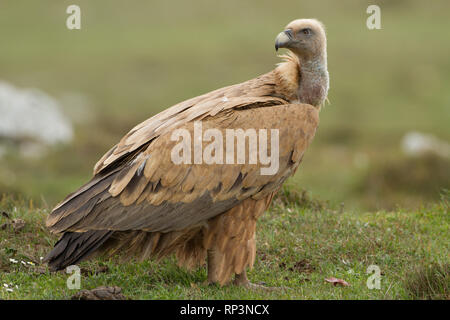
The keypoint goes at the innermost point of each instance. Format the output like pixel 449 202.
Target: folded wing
pixel 138 187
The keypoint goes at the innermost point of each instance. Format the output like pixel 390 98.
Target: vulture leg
pixel 214 263
pixel 242 280
pixel 230 241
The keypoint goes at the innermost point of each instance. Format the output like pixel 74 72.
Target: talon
pixel 254 286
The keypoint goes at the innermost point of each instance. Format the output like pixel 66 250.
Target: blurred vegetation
pixel 405 180
pixel 430 282
pixel 129 62
pixel 291 195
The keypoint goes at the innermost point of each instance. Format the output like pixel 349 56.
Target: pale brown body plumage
pixel 141 203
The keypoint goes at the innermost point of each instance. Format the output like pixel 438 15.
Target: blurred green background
pixel 131 60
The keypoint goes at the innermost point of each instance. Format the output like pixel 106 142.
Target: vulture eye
pixel 306 31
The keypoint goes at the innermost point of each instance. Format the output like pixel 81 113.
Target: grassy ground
pixel 300 243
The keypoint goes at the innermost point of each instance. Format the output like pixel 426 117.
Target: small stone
pixel 100 293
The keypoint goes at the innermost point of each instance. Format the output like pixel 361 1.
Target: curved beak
pixel 283 39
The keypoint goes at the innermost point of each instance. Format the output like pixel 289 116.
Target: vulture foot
pixel 242 280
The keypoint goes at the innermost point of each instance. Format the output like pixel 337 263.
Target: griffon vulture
pixel 142 203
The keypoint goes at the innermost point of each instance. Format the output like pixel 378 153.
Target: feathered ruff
pixel 288 74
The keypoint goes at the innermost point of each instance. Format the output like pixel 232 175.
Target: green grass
pixel 300 243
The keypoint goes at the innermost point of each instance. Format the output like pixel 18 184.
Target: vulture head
pixel 304 37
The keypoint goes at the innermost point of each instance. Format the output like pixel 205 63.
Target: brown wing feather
pixel 261 89
pixel 151 193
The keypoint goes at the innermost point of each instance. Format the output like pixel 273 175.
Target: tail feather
pixel 74 247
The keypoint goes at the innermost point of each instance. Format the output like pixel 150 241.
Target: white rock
pixel 32 114
pixel 417 143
